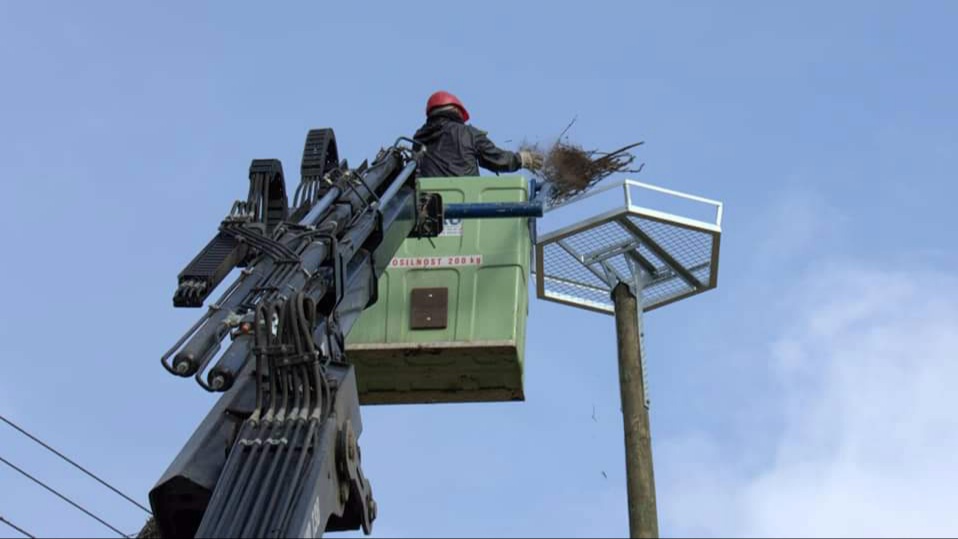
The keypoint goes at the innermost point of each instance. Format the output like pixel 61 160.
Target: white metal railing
pixel 628 184
pixel 695 198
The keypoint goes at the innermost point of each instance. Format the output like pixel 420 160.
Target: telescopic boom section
pixel 277 456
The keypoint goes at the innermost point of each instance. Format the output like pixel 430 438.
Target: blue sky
pixel 807 395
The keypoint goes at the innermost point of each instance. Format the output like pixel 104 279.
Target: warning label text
pixel 436 261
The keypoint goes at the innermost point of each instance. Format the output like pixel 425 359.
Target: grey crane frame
pixel 673 256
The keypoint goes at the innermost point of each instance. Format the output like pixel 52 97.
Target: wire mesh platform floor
pixel 674 254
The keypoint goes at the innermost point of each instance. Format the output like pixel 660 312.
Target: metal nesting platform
pixel 672 255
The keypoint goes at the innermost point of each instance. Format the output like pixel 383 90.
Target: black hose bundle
pixel 264 474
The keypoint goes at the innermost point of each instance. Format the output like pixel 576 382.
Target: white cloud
pixel 869 445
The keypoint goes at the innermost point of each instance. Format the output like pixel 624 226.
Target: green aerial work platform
pixel 450 321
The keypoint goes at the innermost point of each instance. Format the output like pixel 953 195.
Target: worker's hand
pixel 530 160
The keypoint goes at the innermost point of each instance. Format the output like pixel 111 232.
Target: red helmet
pixel 441 99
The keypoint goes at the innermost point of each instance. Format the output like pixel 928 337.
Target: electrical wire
pixel 18 528
pixel 61 496
pixel 74 464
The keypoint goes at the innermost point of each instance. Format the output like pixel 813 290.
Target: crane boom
pixel 278 454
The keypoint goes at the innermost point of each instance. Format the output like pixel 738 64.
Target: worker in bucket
pixel 455 149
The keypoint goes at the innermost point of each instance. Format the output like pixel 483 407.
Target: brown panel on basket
pixel 430 308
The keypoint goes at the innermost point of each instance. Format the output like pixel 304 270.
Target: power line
pixel 61 496
pixel 18 528
pixel 75 465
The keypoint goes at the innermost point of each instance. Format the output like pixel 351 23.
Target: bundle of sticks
pixel 570 170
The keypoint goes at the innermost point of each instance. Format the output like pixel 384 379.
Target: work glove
pixel 530 160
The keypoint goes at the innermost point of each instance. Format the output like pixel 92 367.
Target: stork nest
pixel 569 170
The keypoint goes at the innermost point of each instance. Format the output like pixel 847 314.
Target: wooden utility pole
pixel 640 478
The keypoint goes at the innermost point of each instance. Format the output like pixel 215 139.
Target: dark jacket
pixel 456 149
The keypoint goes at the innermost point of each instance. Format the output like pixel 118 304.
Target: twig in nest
pixel 567 128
